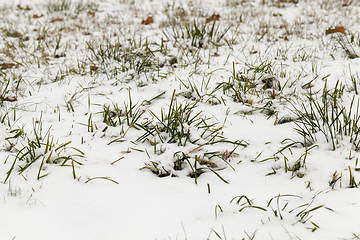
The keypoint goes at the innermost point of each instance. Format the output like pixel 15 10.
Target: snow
pixel 109 188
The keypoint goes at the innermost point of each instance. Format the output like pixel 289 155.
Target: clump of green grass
pixel 254 84
pixel 129 58
pixel 183 126
pixel 127 116
pixel 10 88
pixel 329 118
pixel 64 6
pixel 346 45
pixel 197 164
pixel 279 206
pixel 59 6
pixel 175 125
pixel 297 164
pixel 201 93
pixel 197 34
pixel 40 150
pixel 180 125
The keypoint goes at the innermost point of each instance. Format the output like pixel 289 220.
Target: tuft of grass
pixel 65 6
pixel 247 204
pixel 176 123
pixel 41 150
pixel 346 45
pixel 352 182
pixel 329 118
pixel 127 116
pixel 278 206
pixel 196 34
pixel 254 84
pixel 59 6
pixel 130 58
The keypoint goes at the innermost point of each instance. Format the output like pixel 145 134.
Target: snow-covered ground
pixel 179 119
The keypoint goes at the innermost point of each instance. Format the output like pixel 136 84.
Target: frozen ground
pixel 168 119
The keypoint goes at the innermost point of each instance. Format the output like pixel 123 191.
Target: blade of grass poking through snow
pixel 304 215
pixel 8 173
pixel 249 203
pixel 356 236
pixel 278 211
pixel 218 175
pixel 252 206
pixel 73 168
pixel 104 178
pixel 352 182
pixel 195 171
pixel 41 166
pixel 248 200
pixel 148 102
pixel 216 208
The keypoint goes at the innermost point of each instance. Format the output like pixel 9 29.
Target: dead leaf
pixel 26 8
pixel 57 20
pixel 148 21
pixel 38 16
pixel 91 13
pixel 8 98
pixel 214 17
pixel 93 68
pixel 284 37
pixel 7 65
pixel 347 3
pixel 338 29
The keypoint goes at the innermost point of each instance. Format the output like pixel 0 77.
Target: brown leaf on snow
pixel 284 37
pixel 57 20
pixel 38 16
pixel 26 8
pixel 7 65
pixel 8 98
pixel 148 21
pixel 93 68
pixel 338 29
pixel 214 17
pixel 91 13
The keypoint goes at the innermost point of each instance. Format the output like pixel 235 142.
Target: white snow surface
pixel 111 195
